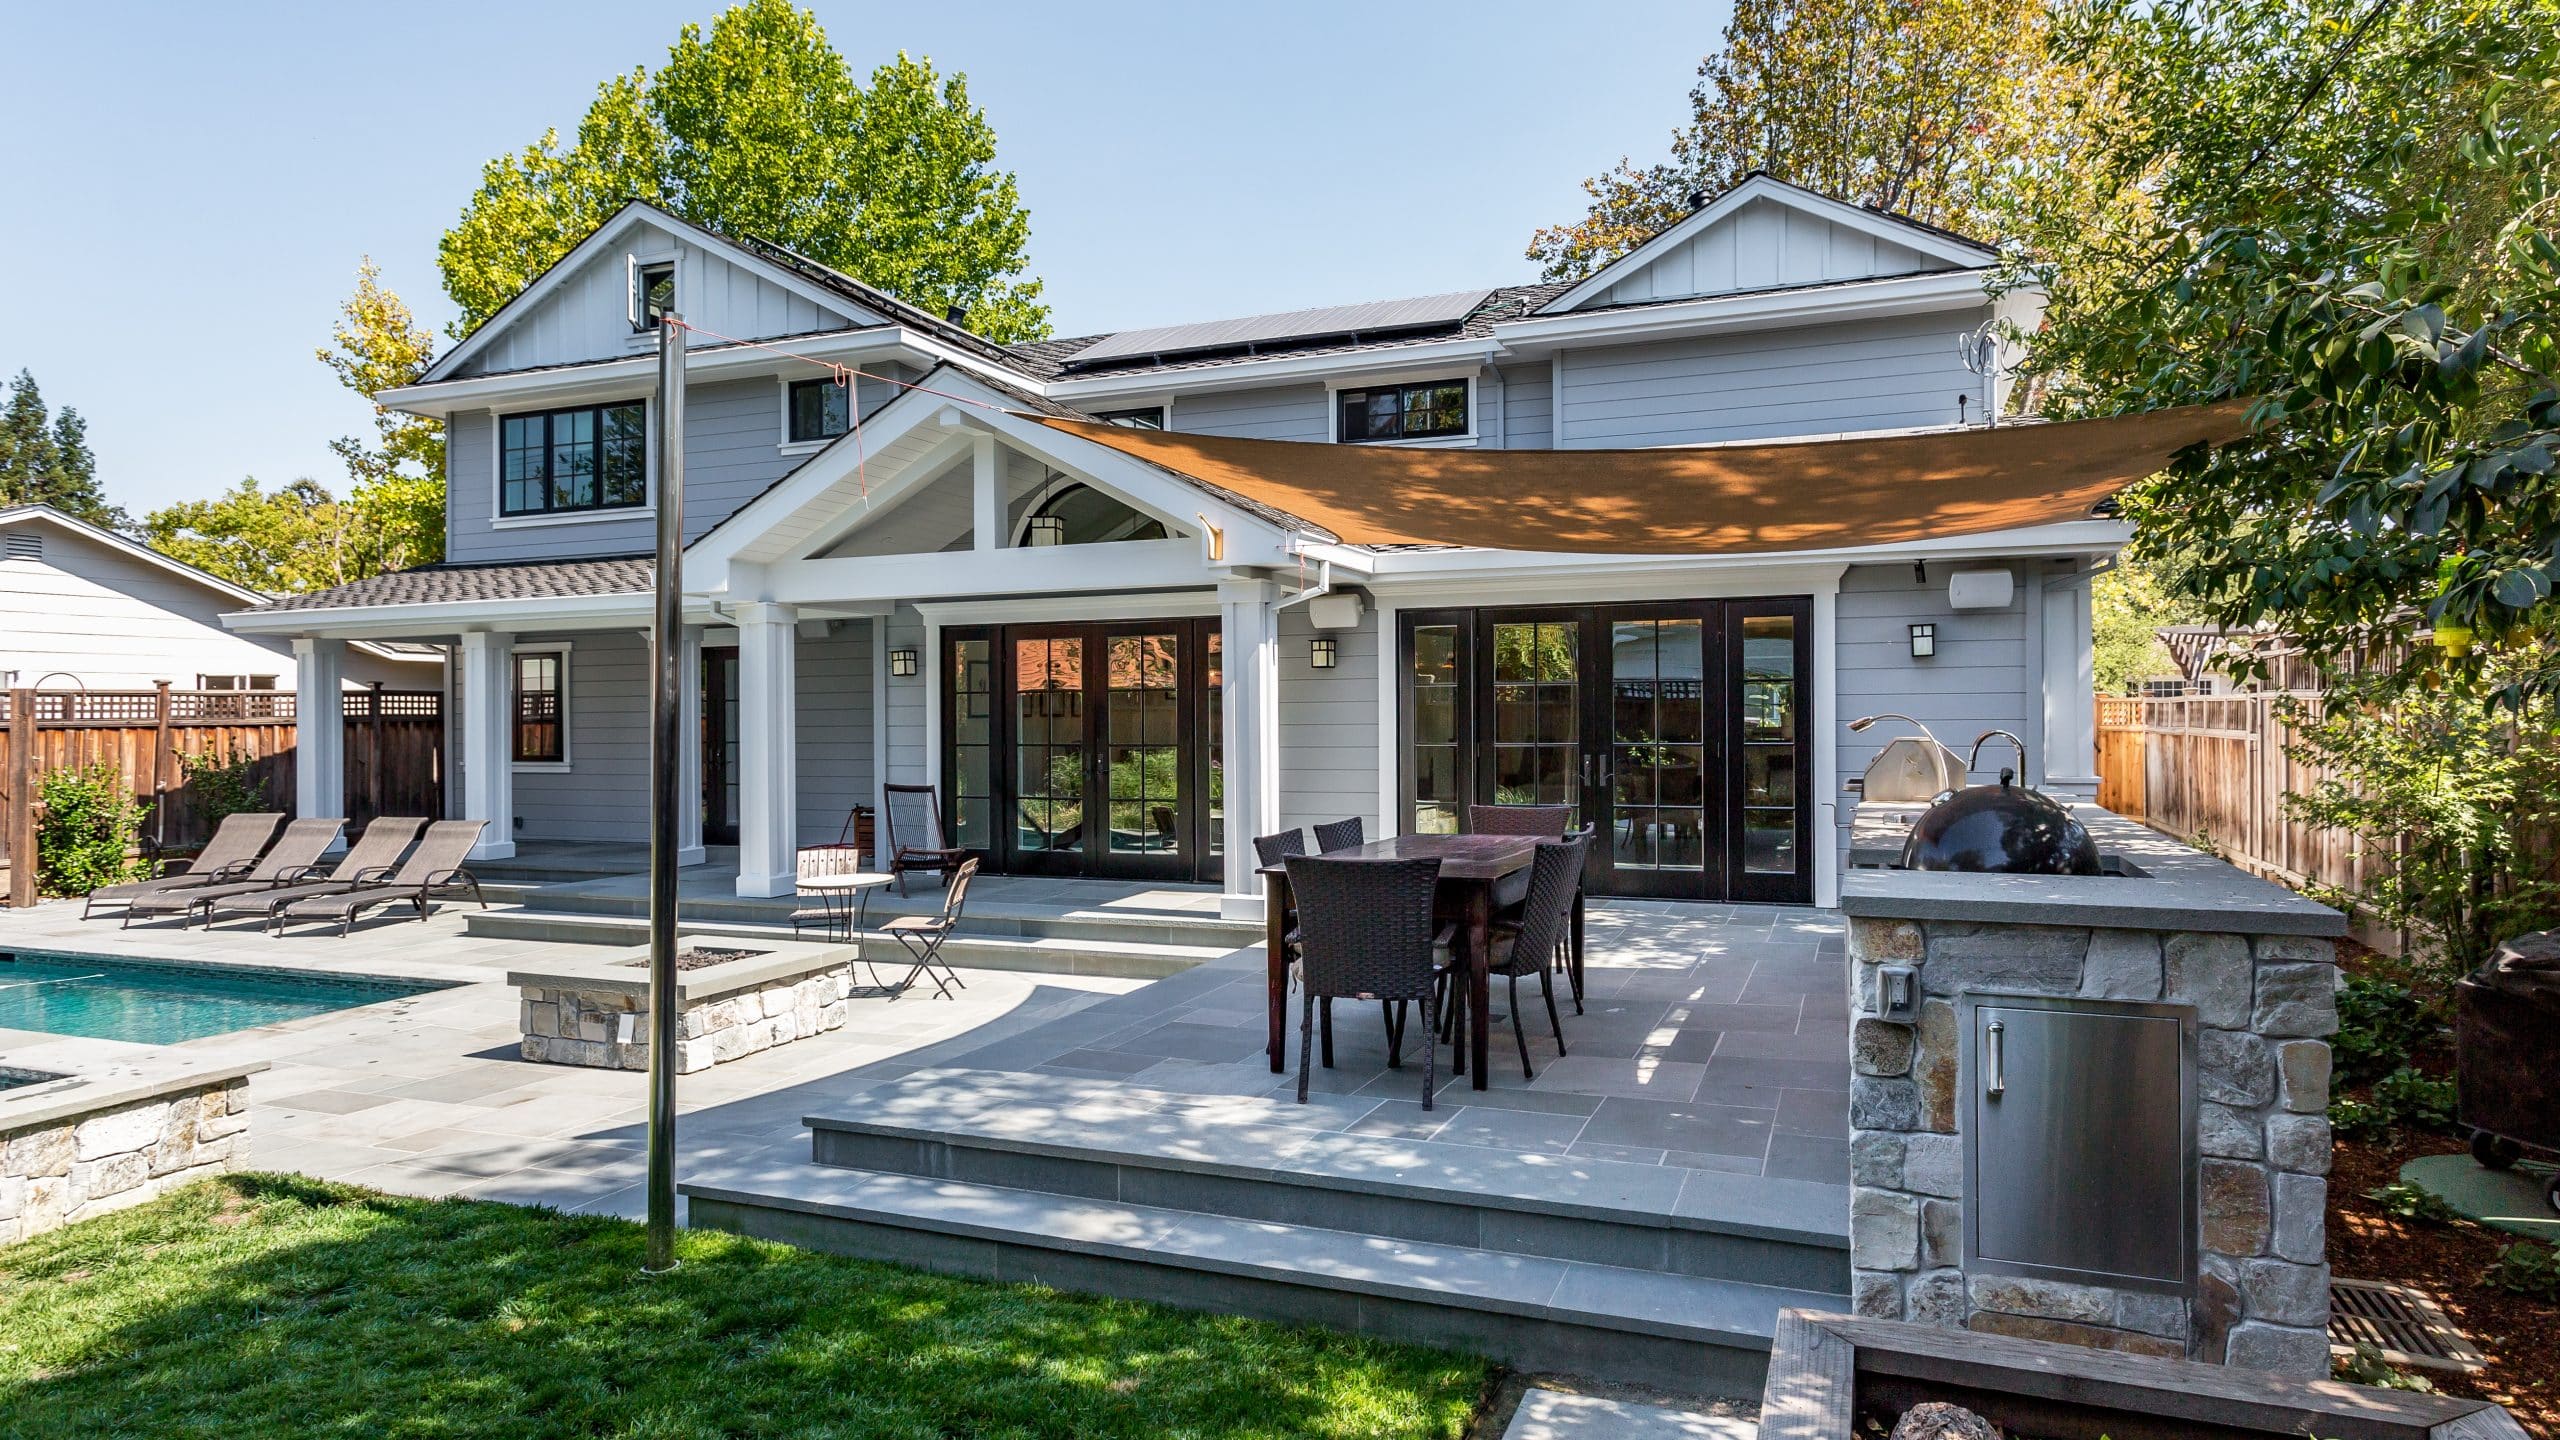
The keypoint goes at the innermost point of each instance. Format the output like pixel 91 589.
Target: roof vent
pixel 957 314
pixel 23 545
pixel 1697 200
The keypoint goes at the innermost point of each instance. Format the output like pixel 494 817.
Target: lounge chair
pixel 435 865
pixel 374 855
pixel 294 856
pixel 917 842
pixel 232 850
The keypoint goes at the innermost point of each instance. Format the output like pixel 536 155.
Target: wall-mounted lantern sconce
pixel 1045 530
pixel 1924 641
pixel 902 661
pixel 1320 652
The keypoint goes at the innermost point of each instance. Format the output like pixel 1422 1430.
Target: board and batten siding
pixel 1269 412
pixel 1328 724
pixel 588 315
pixel 1980 679
pixel 1761 246
pixel 1818 380
pixel 733 451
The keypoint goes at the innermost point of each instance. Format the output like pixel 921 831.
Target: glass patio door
pixel 720 745
pixel 1657 811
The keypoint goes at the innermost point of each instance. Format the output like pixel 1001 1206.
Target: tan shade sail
pixel 1711 500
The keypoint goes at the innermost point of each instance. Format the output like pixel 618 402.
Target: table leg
pixel 1275 930
pixel 1479 950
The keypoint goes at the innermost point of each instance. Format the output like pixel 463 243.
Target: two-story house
pixel 896 571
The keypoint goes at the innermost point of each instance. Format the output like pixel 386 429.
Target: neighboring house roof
pixel 47 515
pixel 514 580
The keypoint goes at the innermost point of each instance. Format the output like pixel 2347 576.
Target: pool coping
pixel 24 1107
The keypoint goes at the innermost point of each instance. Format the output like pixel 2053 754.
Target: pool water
pixel 157 1004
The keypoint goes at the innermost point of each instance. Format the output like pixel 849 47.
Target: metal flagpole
pixel 666 689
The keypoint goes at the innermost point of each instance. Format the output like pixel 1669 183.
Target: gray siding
pixel 1527 407
pixel 834 677
pixel 1979 679
pixel 1871 375
pixel 1765 243
pixel 1273 412
pixel 604 792
pixel 907 740
pixel 1328 725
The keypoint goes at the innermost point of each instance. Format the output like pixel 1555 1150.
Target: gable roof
pixel 1931 240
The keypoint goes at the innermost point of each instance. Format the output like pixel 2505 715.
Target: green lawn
pixel 273 1306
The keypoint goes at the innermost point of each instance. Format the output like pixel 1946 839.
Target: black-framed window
pixel 1428 410
pixel 820 409
pixel 1145 417
pixel 656 285
pixel 540 737
pixel 595 457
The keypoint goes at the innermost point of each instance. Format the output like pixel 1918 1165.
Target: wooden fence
pixel 2214 769
pixel 395 751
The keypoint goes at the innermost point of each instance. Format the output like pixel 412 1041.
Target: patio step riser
pixel 1556 1341
pixel 1445 1218
pixel 966 951
pixel 1228 935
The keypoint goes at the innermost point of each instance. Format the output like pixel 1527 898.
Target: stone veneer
pixel 2263 1004
pixel 57 1168
pixel 581 1027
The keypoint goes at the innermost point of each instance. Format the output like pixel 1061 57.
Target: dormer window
pixel 820 410
pixel 654 294
pixel 1427 410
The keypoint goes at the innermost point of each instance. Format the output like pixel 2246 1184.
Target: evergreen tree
pixel 45 459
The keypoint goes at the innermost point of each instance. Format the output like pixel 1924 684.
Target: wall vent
pixel 22 545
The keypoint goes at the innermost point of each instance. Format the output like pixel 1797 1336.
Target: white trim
pixel 560 766
pixel 1161 605
pixel 1914 294
pixel 1279 369
pixel 1884 227
pixel 1334 386
pixel 1390 748
pixel 783 444
pixel 879 732
pixel 543 519
pixel 550 386
pixel 1824 735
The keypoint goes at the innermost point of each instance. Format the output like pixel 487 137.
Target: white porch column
pixel 689 847
pixel 986 483
pixel 488 753
pixel 1830 830
pixel 768 767
pixel 1250 636
pixel 320 728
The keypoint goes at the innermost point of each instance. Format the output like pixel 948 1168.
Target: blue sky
pixel 192 185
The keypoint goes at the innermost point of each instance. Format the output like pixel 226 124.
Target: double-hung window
pixel 820 410
pixel 540 736
pixel 1428 410
pixel 565 462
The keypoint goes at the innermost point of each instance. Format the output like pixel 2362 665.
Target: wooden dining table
pixel 1479 874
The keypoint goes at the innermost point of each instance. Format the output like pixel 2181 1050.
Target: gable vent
pixel 23 547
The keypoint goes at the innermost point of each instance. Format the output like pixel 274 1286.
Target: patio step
pixel 1259 1159
pixel 1680 1332
pixel 1048 956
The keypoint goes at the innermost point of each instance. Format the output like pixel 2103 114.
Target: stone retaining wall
pixel 55 1171
pixel 2263 1004
pixel 585 1027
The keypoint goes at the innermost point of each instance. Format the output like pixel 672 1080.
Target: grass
pixel 275 1306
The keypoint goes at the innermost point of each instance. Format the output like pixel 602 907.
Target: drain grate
pixel 2406 1325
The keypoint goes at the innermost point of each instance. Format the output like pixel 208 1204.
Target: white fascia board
pixel 1401 569
pixel 611 378
pixel 47 515
pixel 403 622
pixel 1758 187
pixel 1119 566
pixel 1751 310
pixel 1472 351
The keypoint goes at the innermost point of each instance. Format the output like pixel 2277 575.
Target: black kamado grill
pixel 2507 1044
pixel 2005 828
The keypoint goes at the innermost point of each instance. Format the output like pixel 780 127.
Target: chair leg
pixel 1430 1053
pixel 1328 1032
pixel 1547 983
pixel 1306 1043
pixel 1395 1032
pixel 1518 1034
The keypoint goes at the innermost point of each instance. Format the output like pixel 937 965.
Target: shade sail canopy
pixel 1710 500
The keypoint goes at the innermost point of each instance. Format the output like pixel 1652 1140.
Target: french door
pixel 1086 749
pixel 1676 730
pixel 719 745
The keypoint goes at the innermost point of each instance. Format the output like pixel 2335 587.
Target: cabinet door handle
pixel 1995 1059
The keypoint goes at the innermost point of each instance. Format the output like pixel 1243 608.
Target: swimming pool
pixel 158 1004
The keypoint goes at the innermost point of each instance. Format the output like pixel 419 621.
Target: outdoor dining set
pixel 1428 919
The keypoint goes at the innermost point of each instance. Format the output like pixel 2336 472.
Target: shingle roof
pixel 828 277
pixel 446 584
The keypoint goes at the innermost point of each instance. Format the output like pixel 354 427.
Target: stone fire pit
pixel 734 999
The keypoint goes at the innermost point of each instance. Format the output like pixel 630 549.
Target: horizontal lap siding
pixel 604 794
pixel 1872 375
pixel 1328 725
pixel 1977 681
pixel 834 676
pixel 907 741
pixel 1277 412
pixel 1527 395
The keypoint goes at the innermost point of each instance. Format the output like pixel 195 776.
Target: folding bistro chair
pixel 923 934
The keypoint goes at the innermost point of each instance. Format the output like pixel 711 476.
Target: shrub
pixel 2528 1267
pixel 2379 1023
pixel 219 786
pixel 86 837
pixel 2414 1099
pixel 2357 1119
pixel 2413 1202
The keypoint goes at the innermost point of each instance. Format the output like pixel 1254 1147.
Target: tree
pixel 397 481
pixel 295 538
pixel 46 460
pixel 1938 109
pixel 761 129
pixel 2352 223
pixel 2126 612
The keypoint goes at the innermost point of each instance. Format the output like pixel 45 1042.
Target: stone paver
pixel 1557 1415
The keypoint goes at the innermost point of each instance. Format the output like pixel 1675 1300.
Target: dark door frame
pixel 1194 856
pixel 719 826
pixel 1723 874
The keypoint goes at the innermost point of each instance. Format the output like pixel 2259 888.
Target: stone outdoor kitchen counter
pixel 2252 964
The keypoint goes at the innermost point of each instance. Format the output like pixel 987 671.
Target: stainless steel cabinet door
pixel 2079 1156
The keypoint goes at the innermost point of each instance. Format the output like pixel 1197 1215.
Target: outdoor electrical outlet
pixel 1898 993
pixel 629 1025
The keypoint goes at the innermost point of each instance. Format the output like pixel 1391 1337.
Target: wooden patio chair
pixel 917 842
pixel 227 856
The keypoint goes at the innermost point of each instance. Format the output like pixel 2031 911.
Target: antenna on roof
pixel 1979 349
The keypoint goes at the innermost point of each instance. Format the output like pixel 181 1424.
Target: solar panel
pixel 1376 315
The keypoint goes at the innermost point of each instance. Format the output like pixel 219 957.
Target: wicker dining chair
pixel 1529 947
pixel 1340 835
pixel 1368 935
pixel 1549 822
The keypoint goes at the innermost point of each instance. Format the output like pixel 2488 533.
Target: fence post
pixel 160 764
pixel 373 752
pixel 22 798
